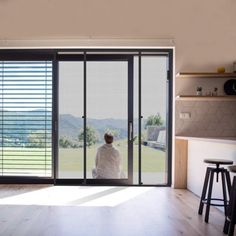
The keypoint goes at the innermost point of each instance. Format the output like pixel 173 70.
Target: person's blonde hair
pixel 108 138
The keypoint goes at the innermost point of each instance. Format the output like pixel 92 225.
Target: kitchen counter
pixel 198 149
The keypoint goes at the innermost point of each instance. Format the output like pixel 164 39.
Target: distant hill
pixel 70 126
pixel 19 124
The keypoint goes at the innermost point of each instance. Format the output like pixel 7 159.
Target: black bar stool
pixel 230 219
pixel 208 184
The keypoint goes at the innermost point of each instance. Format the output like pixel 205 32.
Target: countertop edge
pixel 227 140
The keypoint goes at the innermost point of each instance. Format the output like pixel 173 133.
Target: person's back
pixel 108 161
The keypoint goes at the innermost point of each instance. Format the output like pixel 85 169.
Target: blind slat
pixel 26 118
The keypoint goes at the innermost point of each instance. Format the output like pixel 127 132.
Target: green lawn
pixel 72 159
pixel 153 160
pixel 26 161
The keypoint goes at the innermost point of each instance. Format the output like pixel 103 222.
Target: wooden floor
pixel 114 211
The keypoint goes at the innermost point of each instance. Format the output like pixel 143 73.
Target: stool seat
pixel 232 168
pixel 218 161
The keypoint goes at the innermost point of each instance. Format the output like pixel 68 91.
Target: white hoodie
pixel 108 163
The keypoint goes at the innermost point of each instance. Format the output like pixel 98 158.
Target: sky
pixel 107 88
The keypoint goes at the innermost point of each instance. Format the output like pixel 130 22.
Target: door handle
pixel 130 131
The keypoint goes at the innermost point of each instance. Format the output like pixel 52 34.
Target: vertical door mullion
pixel 130 120
pixel 170 115
pixel 55 101
pixel 139 120
pixel 85 117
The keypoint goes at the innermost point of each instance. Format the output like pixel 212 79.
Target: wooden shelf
pixel 205 75
pixel 205 98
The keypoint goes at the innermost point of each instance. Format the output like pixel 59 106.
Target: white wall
pixel 203 31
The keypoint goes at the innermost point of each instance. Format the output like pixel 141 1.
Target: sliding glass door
pixel 128 96
pixel 107 111
pixel 56 106
pixel 154 119
pixel 96 94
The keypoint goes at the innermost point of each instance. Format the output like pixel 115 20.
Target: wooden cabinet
pixel 180 164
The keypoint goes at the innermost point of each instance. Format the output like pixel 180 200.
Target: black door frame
pixel 54 54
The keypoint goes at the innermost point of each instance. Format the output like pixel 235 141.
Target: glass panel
pixel 154 88
pixel 107 97
pixel 70 119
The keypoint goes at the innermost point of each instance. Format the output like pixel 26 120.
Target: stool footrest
pixel 215 204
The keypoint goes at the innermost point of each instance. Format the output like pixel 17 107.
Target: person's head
pixel 108 138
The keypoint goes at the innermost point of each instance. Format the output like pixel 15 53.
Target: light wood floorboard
pixel 153 212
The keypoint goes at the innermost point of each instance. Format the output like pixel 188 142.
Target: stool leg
pixel 232 221
pixel 231 226
pixel 232 216
pixel 231 229
pixel 209 197
pixel 226 226
pixel 228 181
pixel 224 191
pixel 229 207
pixel 200 209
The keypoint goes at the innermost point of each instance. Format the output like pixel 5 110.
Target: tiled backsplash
pixel 207 118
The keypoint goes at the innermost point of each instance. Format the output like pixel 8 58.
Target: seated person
pixel 107 161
